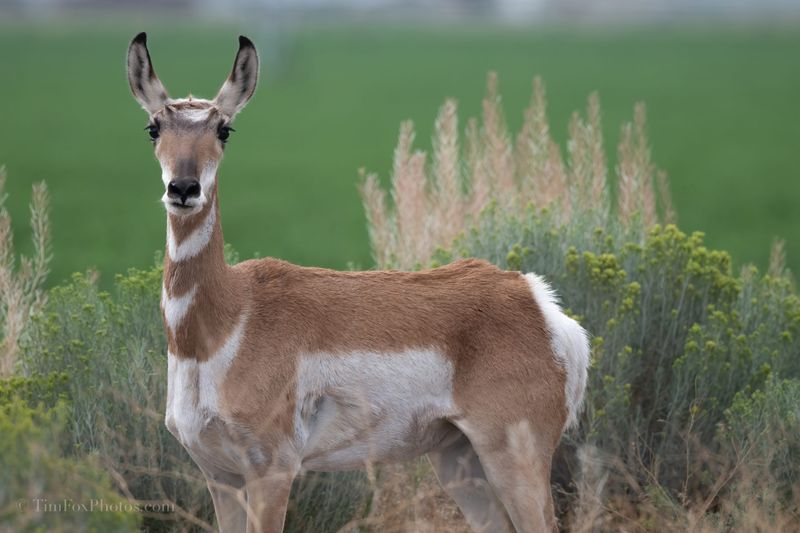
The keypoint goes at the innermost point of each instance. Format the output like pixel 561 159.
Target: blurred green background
pixel 723 113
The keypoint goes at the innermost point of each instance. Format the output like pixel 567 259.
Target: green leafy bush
pixel 35 389
pixel 763 427
pixel 43 487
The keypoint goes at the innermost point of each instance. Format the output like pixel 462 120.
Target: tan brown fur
pixel 484 319
pixel 480 316
pixel 238 337
pixel 186 147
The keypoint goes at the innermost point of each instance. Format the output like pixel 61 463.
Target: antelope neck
pixel 194 253
pixel 200 294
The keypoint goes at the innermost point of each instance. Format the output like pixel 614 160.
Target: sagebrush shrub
pixel 43 487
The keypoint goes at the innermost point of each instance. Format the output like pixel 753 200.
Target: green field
pixel 724 119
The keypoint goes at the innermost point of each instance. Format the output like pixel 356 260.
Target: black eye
pixel 223 132
pixel 152 129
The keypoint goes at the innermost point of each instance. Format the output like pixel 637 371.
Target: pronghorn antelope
pixel 274 369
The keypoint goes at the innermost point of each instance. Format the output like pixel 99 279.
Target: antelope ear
pixel 145 85
pixel 241 83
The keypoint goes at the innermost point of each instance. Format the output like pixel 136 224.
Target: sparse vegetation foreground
pixel 693 406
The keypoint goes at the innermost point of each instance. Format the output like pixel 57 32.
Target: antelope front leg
pixel 267 498
pixel 229 506
pixel 227 492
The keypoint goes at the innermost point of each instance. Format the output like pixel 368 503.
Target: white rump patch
pixel 570 345
pixel 361 406
pixel 193 387
pixel 195 242
pixel 175 309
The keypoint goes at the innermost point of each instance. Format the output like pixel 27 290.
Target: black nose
pixel 183 188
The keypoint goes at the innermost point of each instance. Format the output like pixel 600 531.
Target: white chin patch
pixel 192 206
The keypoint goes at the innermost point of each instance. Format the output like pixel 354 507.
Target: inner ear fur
pixel 242 81
pixel 145 85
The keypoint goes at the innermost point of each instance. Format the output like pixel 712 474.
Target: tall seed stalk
pixel 434 202
pixel 21 278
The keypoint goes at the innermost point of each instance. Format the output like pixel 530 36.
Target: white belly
pixel 371 407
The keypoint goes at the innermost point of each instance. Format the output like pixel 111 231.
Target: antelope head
pixel 189 134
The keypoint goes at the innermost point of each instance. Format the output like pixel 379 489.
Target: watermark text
pixel 92 505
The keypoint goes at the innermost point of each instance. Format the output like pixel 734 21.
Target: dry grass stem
pixel 447 214
pixel 777 259
pixel 21 278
